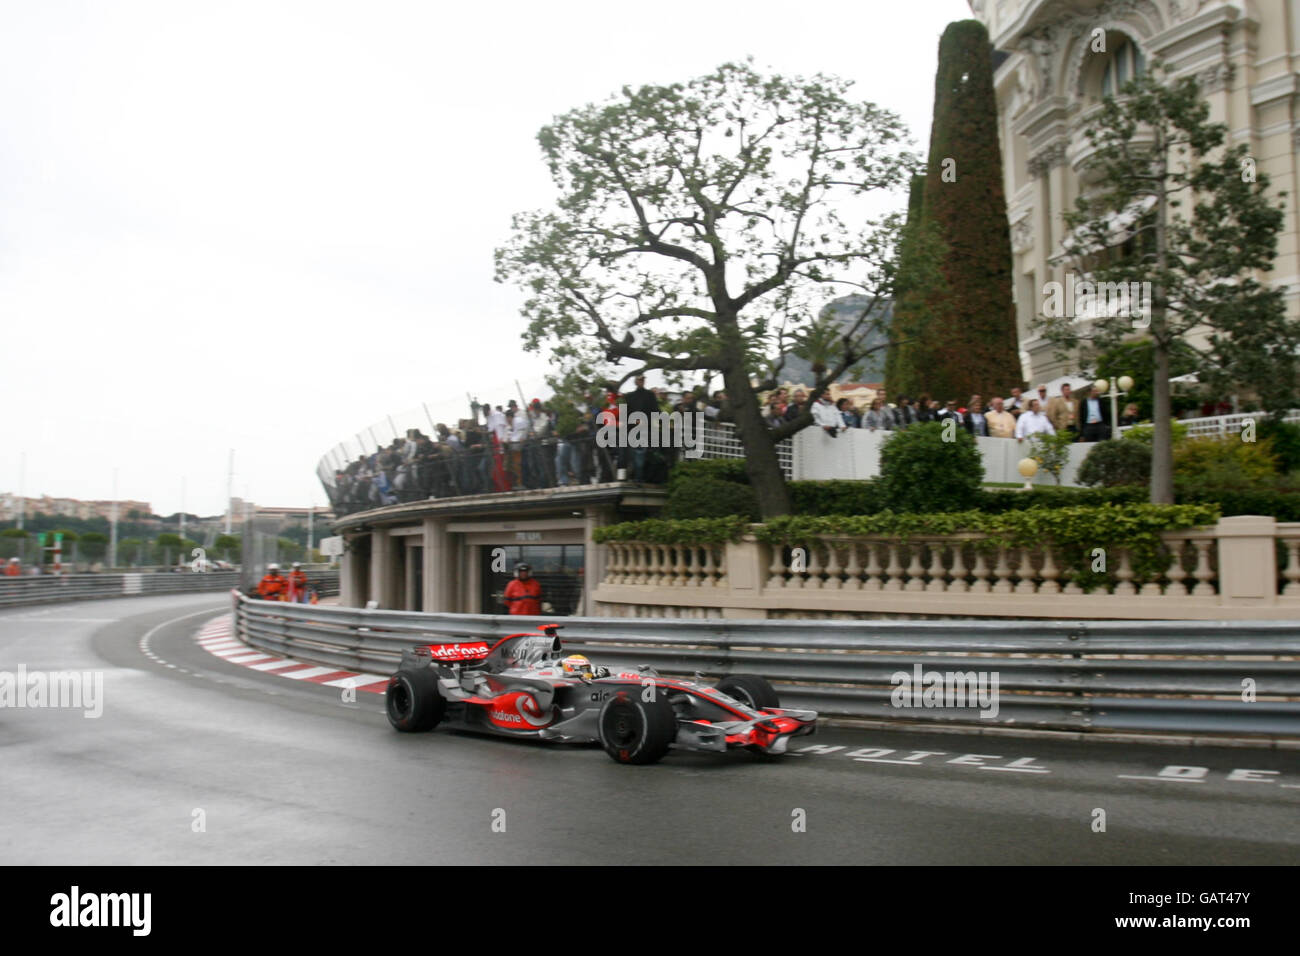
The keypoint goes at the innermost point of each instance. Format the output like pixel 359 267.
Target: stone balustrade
pixel 1226 571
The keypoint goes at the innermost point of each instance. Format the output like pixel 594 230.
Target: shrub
pixel 1117 461
pixel 710 498
pixel 838 497
pixel 919 471
pixel 1052 452
pixel 1146 433
pixel 1285 439
pixel 1282 503
pixel 721 469
pixel 999 500
pixel 1229 461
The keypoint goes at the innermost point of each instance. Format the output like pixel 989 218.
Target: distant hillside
pixel 847 309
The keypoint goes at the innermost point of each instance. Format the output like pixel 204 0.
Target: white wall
pixel 855 454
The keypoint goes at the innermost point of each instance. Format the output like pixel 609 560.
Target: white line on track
pixel 309 672
pixel 361 680
pixel 143 643
pixel 274 665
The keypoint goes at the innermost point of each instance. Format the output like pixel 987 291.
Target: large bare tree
pixel 702 227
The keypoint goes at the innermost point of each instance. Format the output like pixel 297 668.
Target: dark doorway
pixel 559 568
pixel 416 557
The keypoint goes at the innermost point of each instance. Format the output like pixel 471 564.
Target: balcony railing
pixel 440 470
pixel 1245 566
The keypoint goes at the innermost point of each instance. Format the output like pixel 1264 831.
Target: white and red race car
pixel 526 685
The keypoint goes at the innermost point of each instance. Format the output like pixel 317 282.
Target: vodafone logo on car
pixel 443 652
pixel 517 710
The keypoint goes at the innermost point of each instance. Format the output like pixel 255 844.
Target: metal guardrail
pixel 1169 676
pixel 47 588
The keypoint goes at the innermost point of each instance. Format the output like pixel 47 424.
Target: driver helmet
pixel 273 567
pixel 576 665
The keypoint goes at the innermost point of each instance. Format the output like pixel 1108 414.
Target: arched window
pixel 1125 63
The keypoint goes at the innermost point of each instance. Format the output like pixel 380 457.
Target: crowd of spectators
pixel 1020 415
pixel 505 448
pixel 552 444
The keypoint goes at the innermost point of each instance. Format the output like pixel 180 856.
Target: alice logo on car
pixel 527 685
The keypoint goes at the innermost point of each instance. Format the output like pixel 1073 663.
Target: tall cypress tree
pixel 901 372
pixel 971 345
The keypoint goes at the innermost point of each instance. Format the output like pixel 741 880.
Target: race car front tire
pixel 637 731
pixel 750 689
pixel 413 701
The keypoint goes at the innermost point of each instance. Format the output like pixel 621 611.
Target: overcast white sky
pixel 263 226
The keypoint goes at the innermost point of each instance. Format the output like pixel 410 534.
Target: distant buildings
pixel 239 508
pixel 12 505
pixel 141 510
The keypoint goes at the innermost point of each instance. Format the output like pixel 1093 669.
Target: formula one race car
pixel 525 685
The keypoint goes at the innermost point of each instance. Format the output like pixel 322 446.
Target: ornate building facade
pixel 1051 79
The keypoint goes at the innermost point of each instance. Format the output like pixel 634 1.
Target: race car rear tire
pixel 750 689
pixel 413 701
pixel 637 731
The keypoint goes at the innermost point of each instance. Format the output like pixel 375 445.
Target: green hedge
pixel 711 498
pixel 1284 505
pixel 869 497
pixel 837 497
pixel 694 492
pixel 718 469
pixel 683 531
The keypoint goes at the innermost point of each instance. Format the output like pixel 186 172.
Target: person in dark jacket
pixel 798 406
pixel 904 414
pixel 975 422
pixel 642 400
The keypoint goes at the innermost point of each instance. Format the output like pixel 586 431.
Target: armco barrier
pixel 48 588
pixel 1168 676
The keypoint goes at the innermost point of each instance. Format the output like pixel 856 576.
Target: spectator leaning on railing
pixel 976 421
pixel 904 414
pixel 826 416
pixel 538 446
pixel 848 413
pixel 1033 422
pixel 1001 423
pixel 1093 416
pixel 1063 411
pixel 877 417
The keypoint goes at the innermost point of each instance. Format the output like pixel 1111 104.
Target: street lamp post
pixel 1114 389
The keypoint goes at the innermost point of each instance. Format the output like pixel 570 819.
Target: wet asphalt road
pixel 284 772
